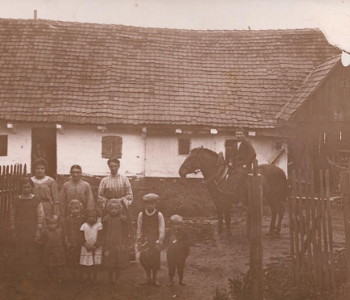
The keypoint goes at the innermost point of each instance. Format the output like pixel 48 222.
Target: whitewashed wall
pixel 82 145
pixel 163 160
pixel 266 151
pixel 19 145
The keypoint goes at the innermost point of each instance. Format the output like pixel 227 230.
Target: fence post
pixel 255 237
pixel 345 188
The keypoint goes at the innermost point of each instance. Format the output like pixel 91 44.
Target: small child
pixel 53 248
pixel 73 223
pixel 91 251
pixel 150 235
pixel 115 240
pixel 178 249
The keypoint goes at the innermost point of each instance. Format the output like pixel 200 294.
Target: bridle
pixel 194 170
pixel 199 168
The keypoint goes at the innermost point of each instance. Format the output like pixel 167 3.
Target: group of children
pixel 84 242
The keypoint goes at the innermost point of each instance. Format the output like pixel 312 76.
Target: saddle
pixel 224 181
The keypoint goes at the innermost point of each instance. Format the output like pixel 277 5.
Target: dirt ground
pixel 212 261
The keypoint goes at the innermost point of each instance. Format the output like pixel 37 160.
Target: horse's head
pixel 198 161
pixel 191 164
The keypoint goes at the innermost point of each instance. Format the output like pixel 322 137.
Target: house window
pixel 112 146
pixel 184 146
pixel 3 145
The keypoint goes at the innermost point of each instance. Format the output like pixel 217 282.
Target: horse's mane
pixel 210 152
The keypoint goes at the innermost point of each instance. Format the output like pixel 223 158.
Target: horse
pixel 215 169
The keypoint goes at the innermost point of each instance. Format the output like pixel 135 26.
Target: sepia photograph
pixel 174 149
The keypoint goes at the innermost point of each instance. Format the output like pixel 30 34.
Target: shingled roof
pixel 310 85
pixel 111 74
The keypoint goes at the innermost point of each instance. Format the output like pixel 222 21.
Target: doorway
pixel 44 146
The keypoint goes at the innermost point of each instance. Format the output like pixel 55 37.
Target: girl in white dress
pixel 91 251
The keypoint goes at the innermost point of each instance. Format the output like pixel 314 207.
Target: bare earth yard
pixel 212 261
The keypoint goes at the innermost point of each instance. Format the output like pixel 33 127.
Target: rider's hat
pixel 239 129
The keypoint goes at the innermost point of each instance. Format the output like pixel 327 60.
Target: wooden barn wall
pixel 330 102
pixel 321 129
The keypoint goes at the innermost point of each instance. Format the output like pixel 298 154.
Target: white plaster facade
pixel 150 156
pixel 19 145
pixel 163 160
pixel 83 145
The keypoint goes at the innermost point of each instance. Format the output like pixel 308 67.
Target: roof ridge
pixel 162 28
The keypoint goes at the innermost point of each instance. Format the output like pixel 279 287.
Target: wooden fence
pixel 9 188
pixel 345 188
pixel 311 235
pixel 254 230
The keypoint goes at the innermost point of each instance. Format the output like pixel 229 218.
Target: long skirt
pixel 73 255
pixel 115 258
pixel 26 256
pixel 48 208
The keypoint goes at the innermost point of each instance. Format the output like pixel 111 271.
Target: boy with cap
pixel 178 248
pixel 150 235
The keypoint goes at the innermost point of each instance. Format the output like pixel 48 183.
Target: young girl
pixel 73 223
pixel 115 240
pixel 178 249
pixel 45 188
pixel 150 235
pixel 27 217
pixel 91 251
pixel 53 248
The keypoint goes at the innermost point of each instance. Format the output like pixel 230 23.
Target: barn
pixel 317 120
pixel 85 92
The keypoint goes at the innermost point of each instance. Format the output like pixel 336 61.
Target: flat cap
pixel 150 197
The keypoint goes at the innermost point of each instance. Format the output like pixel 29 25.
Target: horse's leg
pixel 273 218
pixel 228 222
pixel 227 214
pixel 220 220
pixel 247 221
pixel 219 211
pixel 280 217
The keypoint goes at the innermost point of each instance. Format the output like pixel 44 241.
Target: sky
pixel 331 16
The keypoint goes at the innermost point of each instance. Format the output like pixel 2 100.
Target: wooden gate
pixel 345 188
pixel 9 189
pixel 311 235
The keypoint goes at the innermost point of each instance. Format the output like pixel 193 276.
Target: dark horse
pixel 214 170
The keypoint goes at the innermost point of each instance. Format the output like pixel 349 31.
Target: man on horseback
pixel 240 155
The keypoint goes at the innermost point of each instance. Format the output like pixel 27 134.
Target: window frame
pixel 6 147
pixel 189 139
pixel 112 140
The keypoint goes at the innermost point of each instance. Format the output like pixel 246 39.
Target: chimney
pixel 35 14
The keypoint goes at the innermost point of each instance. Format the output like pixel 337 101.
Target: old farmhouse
pixel 86 92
